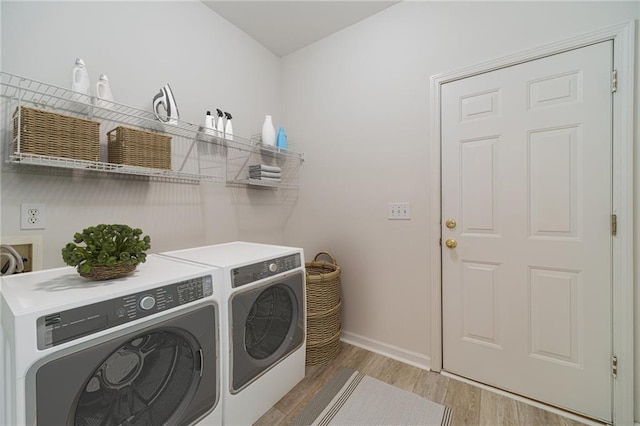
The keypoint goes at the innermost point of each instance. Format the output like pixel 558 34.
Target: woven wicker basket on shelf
pixel 139 148
pixel 55 135
pixel 324 324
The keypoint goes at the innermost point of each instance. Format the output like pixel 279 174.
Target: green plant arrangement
pixel 109 251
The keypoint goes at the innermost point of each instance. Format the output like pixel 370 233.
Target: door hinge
pixel 614 224
pixel 614 81
pixel 614 366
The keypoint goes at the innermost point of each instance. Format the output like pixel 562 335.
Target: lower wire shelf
pixel 96 166
pixel 241 158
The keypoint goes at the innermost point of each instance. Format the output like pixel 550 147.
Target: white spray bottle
pixel 220 123
pixel 228 128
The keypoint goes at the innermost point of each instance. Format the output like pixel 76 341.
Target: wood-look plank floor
pixel 470 405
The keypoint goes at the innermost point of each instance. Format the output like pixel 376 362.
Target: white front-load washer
pixel 139 350
pixel 264 289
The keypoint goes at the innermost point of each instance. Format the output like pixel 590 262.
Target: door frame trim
pixel 623 37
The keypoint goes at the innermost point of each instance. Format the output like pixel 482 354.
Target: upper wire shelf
pixel 62 100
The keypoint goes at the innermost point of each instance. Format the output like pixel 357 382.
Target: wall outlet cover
pixel 32 216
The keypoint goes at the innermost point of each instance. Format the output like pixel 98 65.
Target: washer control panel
pixel 60 327
pixel 257 271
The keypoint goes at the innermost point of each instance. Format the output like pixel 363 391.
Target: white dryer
pixel 143 350
pixel 264 289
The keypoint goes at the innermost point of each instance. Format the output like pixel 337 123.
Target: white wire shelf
pixel 240 159
pixel 96 166
pixel 195 156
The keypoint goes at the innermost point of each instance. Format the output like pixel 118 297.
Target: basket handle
pixel 333 259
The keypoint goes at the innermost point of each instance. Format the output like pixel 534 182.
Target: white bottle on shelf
pixel 228 127
pixel 103 91
pixel 209 124
pixel 220 123
pixel 80 78
pixel 268 132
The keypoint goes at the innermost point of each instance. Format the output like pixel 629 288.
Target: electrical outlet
pixel 32 216
pixel 400 211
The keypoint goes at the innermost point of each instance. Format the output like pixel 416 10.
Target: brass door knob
pixel 451 243
pixel 450 223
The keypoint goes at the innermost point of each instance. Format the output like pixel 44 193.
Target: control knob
pixel 273 267
pixel 147 302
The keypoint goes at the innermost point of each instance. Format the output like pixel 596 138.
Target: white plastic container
pixel 80 78
pixel 103 91
pixel 209 124
pixel 268 132
pixel 228 127
pixel 220 123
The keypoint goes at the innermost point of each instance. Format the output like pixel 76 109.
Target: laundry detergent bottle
pixel 80 78
pixel 103 91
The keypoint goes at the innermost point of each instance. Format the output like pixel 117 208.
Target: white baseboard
pixel 399 354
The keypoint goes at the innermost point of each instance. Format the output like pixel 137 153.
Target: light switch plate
pixel 399 211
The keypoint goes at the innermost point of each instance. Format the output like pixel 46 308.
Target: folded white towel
pixel 259 174
pixel 265 168
pixel 267 179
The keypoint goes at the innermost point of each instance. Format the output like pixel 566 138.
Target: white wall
pixel 141 46
pixel 359 103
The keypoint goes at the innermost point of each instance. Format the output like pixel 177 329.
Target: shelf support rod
pixel 186 157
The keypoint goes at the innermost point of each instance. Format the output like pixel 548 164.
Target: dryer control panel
pixel 60 327
pixel 257 271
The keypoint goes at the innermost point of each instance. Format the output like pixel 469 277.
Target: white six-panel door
pixel 527 178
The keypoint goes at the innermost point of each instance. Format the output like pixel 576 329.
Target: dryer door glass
pixel 143 382
pixel 268 323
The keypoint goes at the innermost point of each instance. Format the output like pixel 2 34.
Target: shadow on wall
pixel 262 211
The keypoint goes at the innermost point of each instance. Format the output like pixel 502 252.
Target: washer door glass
pixel 268 322
pixel 143 382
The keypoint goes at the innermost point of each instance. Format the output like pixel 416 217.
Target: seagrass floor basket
pixel 324 324
pixel 139 148
pixel 51 134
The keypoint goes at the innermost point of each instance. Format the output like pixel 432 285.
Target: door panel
pixel 526 175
